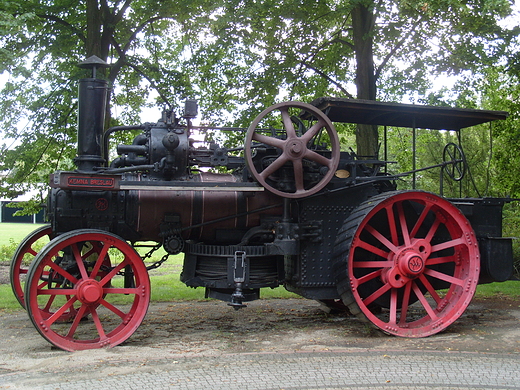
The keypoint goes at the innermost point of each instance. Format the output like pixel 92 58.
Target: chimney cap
pixel 93 62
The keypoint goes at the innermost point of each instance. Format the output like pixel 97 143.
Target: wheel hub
pixel 295 148
pixel 89 291
pixel 409 264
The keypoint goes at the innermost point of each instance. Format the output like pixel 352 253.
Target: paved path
pixel 389 370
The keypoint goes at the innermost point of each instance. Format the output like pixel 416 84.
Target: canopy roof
pixel 403 115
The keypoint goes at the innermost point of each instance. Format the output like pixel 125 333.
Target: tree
pixel 303 49
pixel 41 42
pixel 254 53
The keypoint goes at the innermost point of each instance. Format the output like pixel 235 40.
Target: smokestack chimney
pixel 92 99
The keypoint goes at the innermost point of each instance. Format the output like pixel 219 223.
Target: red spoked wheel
pixel 73 272
pixel 411 260
pixel 23 257
pixel 293 149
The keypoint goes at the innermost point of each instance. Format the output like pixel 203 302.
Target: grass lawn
pixel 166 285
pixel 15 232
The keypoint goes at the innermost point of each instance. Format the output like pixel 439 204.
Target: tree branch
pixel 396 48
pixel 329 79
pixel 140 28
pixel 54 18
pixel 124 60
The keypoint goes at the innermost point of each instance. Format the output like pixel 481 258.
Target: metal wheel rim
pixel 18 270
pixel 93 292
pixel 446 255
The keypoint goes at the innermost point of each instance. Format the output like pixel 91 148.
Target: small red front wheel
pixel 23 257
pixel 91 273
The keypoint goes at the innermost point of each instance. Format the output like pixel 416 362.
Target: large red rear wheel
pixel 92 273
pixel 409 263
pixel 23 257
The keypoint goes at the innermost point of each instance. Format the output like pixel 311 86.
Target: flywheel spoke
pixel 274 166
pixel 313 130
pixel 271 141
pixel 287 123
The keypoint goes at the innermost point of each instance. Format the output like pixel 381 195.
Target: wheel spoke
pixel 100 260
pixel 373 264
pixel 365 278
pixel 317 158
pixel 393 306
pixel 42 285
pixel 441 260
pixel 406 301
pixel 371 248
pixel 430 289
pixel 404 226
pixel 113 272
pixel 61 311
pixel 77 319
pixel 48 304
pixel 62 272
pixel 433 230
pixel 99 325
pixel 271 141
pixel 420 220
pixel 113 309
pixel 446 278
pixel 433 316
pixel 79 261
pixel 448 244
pixel 287 123
pixel 382 239
pixel 376 294
pixel 391 225
pixel 298 175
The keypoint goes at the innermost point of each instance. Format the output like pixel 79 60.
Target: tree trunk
pixel 363 20
pixel 93 43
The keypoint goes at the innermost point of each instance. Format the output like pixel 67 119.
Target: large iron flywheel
pixel 284 173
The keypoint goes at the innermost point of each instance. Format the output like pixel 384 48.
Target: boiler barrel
pixel 197 211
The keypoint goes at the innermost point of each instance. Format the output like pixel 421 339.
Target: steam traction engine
pixel 293 210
